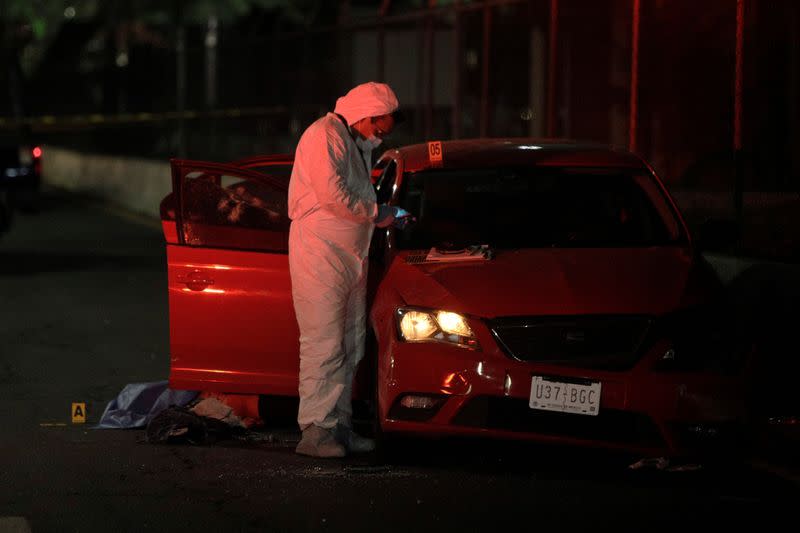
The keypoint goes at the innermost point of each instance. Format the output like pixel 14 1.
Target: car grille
pixel 514 414
pixel 592 342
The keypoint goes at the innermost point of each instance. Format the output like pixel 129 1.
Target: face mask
pixel 368 144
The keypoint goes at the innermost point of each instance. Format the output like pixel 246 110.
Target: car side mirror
pixel 717 235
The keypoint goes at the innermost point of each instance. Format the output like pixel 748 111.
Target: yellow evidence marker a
pixel 79 413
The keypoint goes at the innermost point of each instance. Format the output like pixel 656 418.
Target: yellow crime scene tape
pixel 96 119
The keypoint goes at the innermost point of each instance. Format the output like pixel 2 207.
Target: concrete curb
pixel 136 184
pixel 14 524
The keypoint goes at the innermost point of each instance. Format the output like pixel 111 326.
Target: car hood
pixel 649 281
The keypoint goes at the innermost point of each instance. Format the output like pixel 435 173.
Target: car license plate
pixel 550 394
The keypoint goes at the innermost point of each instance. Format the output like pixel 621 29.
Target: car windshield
pixel 536 207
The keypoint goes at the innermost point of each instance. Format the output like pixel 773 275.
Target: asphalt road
pixel 83 306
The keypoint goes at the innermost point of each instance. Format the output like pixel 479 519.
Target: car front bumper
pixel 486 393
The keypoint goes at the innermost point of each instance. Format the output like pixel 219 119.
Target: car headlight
pixel 423 325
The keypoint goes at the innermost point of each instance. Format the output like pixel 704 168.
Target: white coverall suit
pixel 332 205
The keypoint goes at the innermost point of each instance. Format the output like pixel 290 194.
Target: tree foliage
pixel 28 27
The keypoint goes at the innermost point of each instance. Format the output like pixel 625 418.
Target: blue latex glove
pixel 402 218
pixel 392 215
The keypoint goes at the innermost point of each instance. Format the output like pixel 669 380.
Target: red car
pixel 547 291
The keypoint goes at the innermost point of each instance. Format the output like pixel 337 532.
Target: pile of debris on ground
pixel 175 416
pixel 207 419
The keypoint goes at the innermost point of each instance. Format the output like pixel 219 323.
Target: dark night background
pixel 224 80
pixel 110 90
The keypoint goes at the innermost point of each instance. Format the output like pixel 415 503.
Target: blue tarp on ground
pixel 139 402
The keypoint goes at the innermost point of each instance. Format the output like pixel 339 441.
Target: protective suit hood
pixel 369 99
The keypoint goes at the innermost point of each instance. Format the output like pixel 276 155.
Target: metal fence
pixel 707 91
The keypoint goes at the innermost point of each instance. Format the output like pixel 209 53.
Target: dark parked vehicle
pixel 20 174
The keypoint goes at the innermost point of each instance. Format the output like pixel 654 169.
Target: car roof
pixel 476 153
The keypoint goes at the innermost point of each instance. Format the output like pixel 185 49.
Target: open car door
pixel 232 322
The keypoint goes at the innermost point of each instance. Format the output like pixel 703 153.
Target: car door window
pixel 222 209
pixel 280 171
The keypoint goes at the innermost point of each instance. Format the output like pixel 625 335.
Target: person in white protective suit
pixel 334 211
